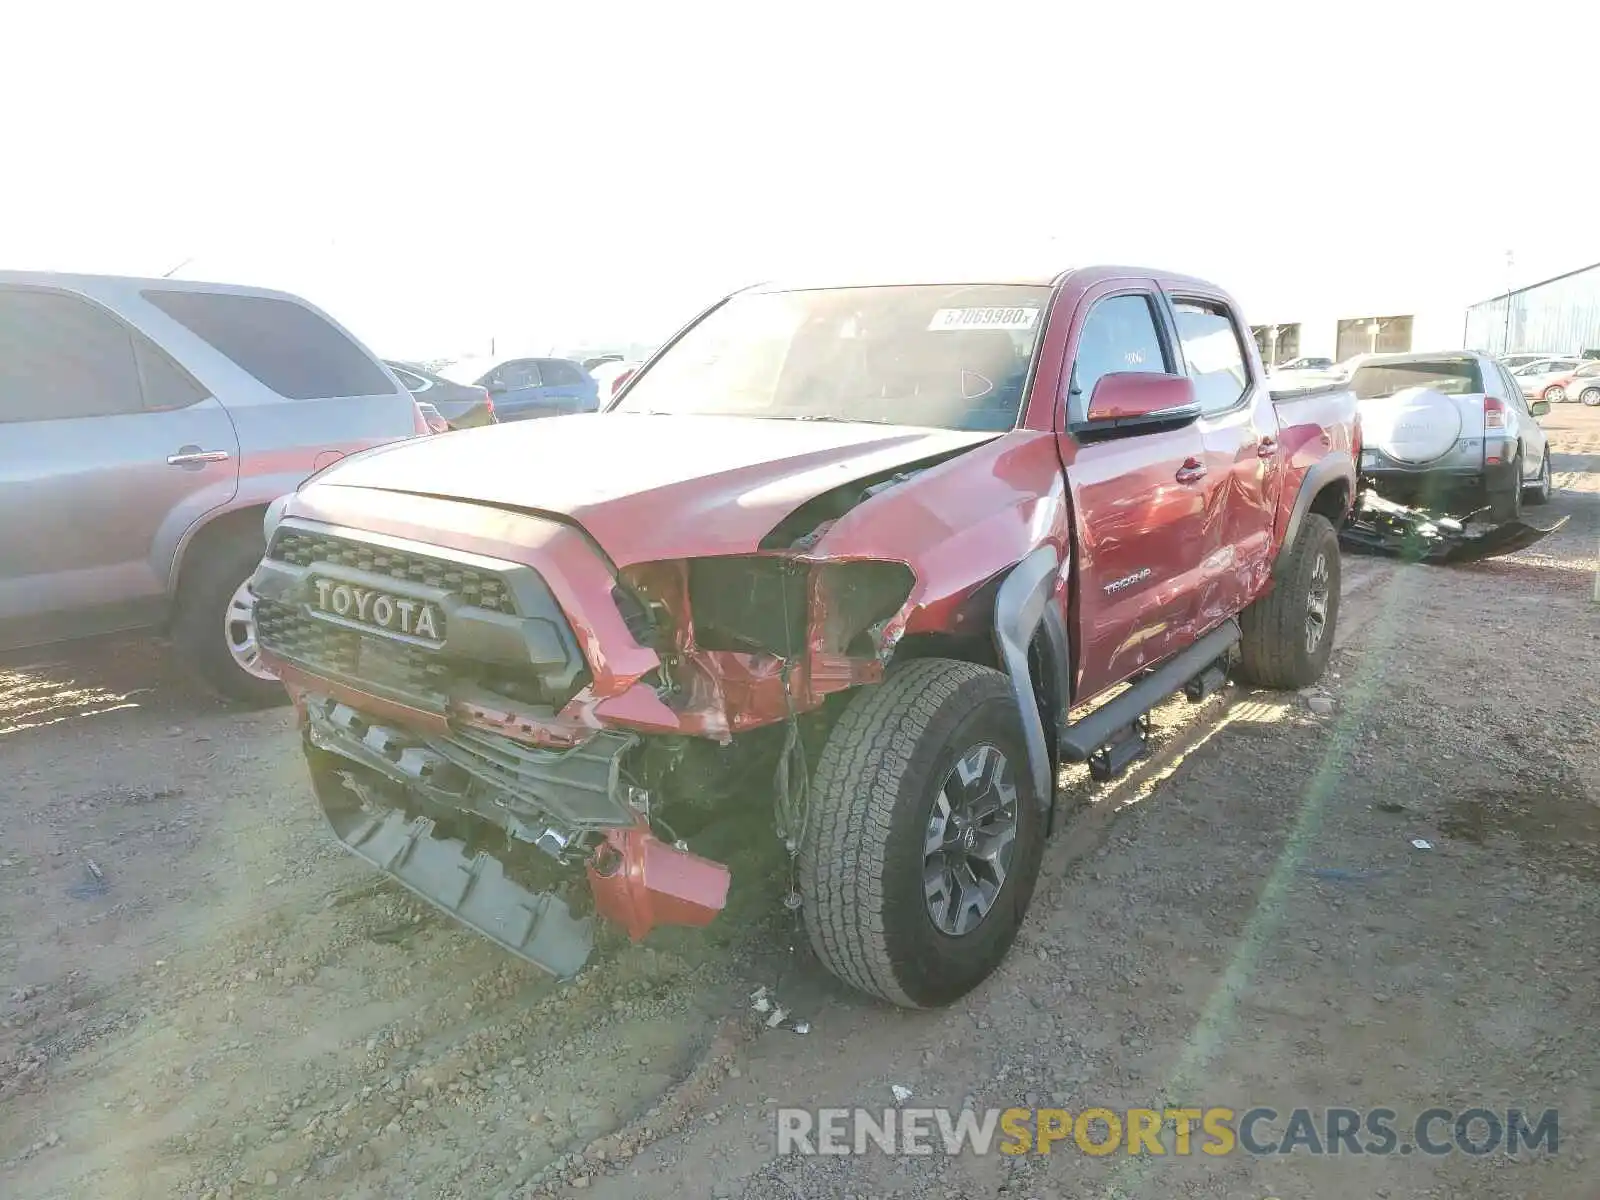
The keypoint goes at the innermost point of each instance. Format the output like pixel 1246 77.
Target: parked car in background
pixel 145 426
pixel 589 364
pixel 1452 432
pixel 434 418
pixel 1581 383
pixel 1298 372
pixel 612 375
pixel 530 387
pixel 1543 378
pixel 1585 383
pixel 1514 361
pixel 462 406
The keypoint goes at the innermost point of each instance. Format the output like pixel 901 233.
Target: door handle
pixel 1266 447
pixel 193 456
pixel 1192 471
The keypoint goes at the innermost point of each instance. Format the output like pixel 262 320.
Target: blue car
pixel 530 387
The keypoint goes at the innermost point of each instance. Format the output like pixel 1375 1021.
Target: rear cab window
pixel 1450 376
pixel 1213 351
pixel 286 346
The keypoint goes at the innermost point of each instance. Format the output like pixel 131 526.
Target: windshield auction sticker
pixel 984 318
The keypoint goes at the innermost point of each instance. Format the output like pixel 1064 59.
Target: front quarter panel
pixel 959 525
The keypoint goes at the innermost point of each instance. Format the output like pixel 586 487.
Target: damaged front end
pixel 510 741
pixel 1380 526
pixel 417 808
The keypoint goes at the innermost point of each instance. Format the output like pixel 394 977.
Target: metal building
pixel 1556 316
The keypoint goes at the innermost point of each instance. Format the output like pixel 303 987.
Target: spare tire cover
pixel 1415 425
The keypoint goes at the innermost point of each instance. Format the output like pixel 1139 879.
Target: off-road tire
pixel 1539 492
pixel 197 626
pixel 862 857
pixel 1273 650
pixel 1506 504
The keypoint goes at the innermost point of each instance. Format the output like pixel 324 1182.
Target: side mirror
pixel 1142 396
pixel 495 388
pixel 616 384
pixel 1539 407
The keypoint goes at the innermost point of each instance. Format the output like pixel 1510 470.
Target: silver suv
pixel 145 425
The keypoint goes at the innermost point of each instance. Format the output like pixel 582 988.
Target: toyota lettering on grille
pixel 379 611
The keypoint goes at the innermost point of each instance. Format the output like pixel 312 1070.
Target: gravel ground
pixel 201 996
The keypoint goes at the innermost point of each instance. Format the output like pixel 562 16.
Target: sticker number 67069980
pixel 1015 318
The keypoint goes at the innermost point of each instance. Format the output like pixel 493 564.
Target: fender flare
pixel 1337 466
pixel 1021 607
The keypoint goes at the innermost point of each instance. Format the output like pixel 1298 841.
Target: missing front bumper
pixel 1381 526
pixel 377 784
pixel 537 927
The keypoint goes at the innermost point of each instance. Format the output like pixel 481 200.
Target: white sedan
pixel 1543 380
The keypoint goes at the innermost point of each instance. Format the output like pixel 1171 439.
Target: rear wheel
pixel 1288 633
pixel 215 624
pixel 1555 393
pixel 1539 491
pixel 925 835
pixel 1506 504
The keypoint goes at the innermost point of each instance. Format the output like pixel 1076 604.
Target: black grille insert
pixel 481 589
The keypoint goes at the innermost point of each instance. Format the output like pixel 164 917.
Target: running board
pixel 1081 739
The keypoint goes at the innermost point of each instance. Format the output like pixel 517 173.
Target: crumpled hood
pixel 649 487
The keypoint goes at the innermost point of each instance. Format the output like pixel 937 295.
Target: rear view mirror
pixel 1141 396
pixel 1539 407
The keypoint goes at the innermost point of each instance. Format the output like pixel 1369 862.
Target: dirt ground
pixel 201 996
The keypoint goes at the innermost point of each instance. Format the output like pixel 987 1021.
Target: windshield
pixel 1452 376
pixel 952 356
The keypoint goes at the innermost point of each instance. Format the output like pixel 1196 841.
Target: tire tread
pixel 855 790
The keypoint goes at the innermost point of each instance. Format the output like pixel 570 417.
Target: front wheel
pixel 925 834
pixel 1288 633
pixel 215 625
pixel 1590 397
pixel 1555 393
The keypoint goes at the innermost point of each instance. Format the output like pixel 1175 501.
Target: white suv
pixel 1451 432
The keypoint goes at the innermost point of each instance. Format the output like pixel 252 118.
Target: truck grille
pixel 477 588
pixel 501 630
pixel 411 672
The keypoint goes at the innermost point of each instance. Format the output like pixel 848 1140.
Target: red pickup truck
pixel 862 553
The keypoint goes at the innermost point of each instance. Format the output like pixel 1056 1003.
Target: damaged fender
pixel 1019 608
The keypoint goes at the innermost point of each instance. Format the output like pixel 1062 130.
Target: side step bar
pixel 1081 739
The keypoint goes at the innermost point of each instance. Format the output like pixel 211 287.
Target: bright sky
pixel 438 174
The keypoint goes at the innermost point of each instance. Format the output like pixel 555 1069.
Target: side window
pixel 167 386
pixel 285 345
pixel 1119 334
pixel 1513 392
pixel 521 374
pixel 559 373
pixel 413 383
pixel 61 357
pixel 1213 352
